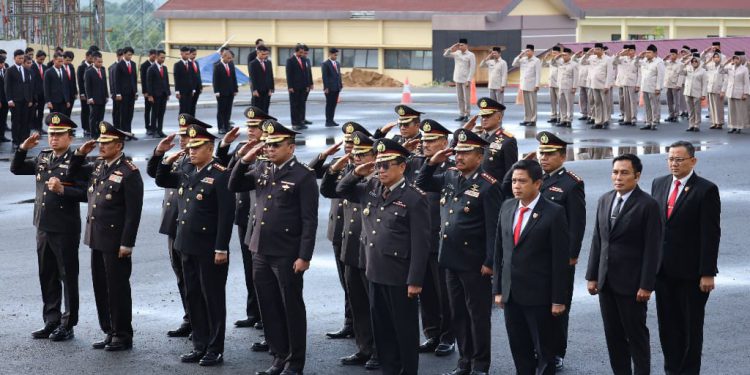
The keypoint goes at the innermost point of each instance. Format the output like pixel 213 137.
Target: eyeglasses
pixel 407 124
pixel 677 160
pixel 384 165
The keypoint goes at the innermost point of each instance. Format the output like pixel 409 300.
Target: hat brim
pixel 406 119
pixel 549 148
pixel 488 111
pixel 465 147
pixel 387 156
pixel 106 139
pixel 193 143
pixel 58 129
pixel 432 137
pixel 277 138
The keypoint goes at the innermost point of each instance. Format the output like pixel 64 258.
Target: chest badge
pixel 366 211
pixel 180 191
pixel 108 197
pixel 38 177
pixel 442 201
pixel 199 197
pixel 467 209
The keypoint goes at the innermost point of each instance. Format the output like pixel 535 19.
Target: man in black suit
pixel 70 77
pixel 254 53
pixel 225 89
pixel 81 79
pixel 183 80
pixel 261 79
pixel 158 93
pixel 310 82
pixel 298 84
pixel 18 91
pixel 691 209
pixel 531 269
pixel 197 80
pixel 95 81
pixel 622 265
pixel 144 90
pixel 332 85
pixel 37 78
pixel 56 91
pixel 126 88
pixel 112 85
pixel 3 100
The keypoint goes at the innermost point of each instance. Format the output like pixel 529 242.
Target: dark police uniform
pixel 58 221
pixel 115 197
pixel 406 115
pixel 469 213
pixel 204 228
pixel 503 147
pixel 286 219
pixel 395 234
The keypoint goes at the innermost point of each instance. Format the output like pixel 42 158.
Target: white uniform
pixel 583 96
pixel 554 89
pixel 628 77
pixel 715 83
pixel 696 87
pixel 601 78
pixel 531 72
pixel 567 80
pixel 737 86
pixel 498 78
pixel 673 83
pixel 652 82
pixel 463 73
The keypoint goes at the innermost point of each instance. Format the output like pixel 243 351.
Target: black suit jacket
pixel 37 79
pixel 183 78
pixel 144 76
pixel 224 85
pixel 16 89
pixel 81 76
pixel 111 71
pixel 195 70
pixel 158 85
pixel 56 87
pixel 72 81
pixel 126 83
pixel 296 75
pixel 262 80
pixel 331 76
pixel 3 98
pixel 625 256
pixel 534 272
pixel 692 233
pixel 96 88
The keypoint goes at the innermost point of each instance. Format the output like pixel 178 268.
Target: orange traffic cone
pixel 704 102
pixel 406 93
pixel 473 93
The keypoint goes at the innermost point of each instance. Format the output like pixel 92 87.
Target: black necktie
pixel 616 211
pixel 386 193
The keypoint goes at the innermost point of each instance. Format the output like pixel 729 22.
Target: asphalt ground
pixel 156 307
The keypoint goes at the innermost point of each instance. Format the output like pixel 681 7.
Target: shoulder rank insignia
pixel 220 167
pixel 507 133
pixel 420 191
pixel 489 178
pixel 575 176
pixel 131 165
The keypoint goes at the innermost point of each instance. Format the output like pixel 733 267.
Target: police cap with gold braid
pixel 467 140
pixel 389 149
pixel 550 142
pixel 432 130
pixel 255 116
pixel 350 127
pixel 488 106
pixel 406 114
pixel 277 132
pixel 362 143
pixel 59 123
pixel 108 133
pixel 199 136
pixel 184 121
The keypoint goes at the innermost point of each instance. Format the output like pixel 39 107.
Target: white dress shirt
pixel 526 215
pixel 683 181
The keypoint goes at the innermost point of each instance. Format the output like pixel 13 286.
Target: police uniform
pixel 115 201
pixel 204 228
pixel 469 208
pixel 502 151
pixel 286 219
pixel 394 233
pixel 406 115
pixel 57 219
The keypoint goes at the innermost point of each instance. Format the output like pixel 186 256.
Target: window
pixel 240 53
pixel 348 58
pixel 408 59
pixel 618 37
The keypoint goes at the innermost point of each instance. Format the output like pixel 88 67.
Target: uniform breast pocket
pixel 555 196
pixel 286 195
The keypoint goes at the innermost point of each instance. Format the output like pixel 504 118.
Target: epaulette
pixel 574 176
pixel 508 134
pixel 46 150
pixel 489 178
pixel 220 167
pixel 452 168
pixel 307 167
pixel 130 164
pixel 420 191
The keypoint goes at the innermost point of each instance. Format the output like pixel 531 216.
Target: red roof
pixel 338 5
pixel 587 5
pixel 728 45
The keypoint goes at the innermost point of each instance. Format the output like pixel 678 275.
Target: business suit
pixel 532 275
pixel 298 83
pixel 70 77
pixel 95 81
pixel 283 230
pixel 115 104
pixel 198 81
pixel 56 91
pixel 158 88
pixel 126 85
pixel 37 78
pixel 623 259
pixel 184 84
pixel 332 82
pixel 308 68
pixel 18 90
pixel 144 90
pixel 3 104
pixel 225 88
pixel 261 77
pixel 85 109
pixel 688 252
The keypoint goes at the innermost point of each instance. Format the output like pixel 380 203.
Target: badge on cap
pixel 356 139
pixel 427 127
pixel 103 128
pixel 349 129
pixel 381 147
pixel 462 137
pixel 483 104
pixel 269 129
pixel 401 111
pixel 251 113
pixel 544 139
pixel 182 120
pixel 192 132
pixel 55 120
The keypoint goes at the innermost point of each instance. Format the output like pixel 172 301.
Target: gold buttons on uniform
pixel 182 222
pixel 265 209
pixel 262 223
pixel 445 236
pixel 373 232
pixel 269 196
pixel 450 211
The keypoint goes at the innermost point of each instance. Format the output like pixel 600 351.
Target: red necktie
pixel 130 70
pixel 519 224
pixel 187 69
pixel 67 69
pixel 41 71
pixel 227 69
pixel 161 72
pixel 335 67
pixel 263 65
pixel 195 66
pixel 99 72
pixel 673 198
pixel 300 63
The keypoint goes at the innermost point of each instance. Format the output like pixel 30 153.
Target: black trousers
pixel 69 110
pixel 186 101
pixel 85 116
pixel 434 305
pixel 280 298
pixel 297 106
pixel 126 112
pixel 341 269
pixel 116 113
pixel 158 107
pixel 147 113
pixel 57 254
pixel 561 322
pixel 262 101
pixel 531 338
pixel 395 324
pixel 304 104
pixel 38 114
pixel 19 122
pixel 111 277
pixel 59 107
pixel 626 332
pixel 96 115
pixel 680 308
pixel 205 288
pixel 332 98
pixel 224 111
pixel 357 284
pixel 470 295
pixel 251 308
pixel 4 116
pixel 175 259
pixel 194 102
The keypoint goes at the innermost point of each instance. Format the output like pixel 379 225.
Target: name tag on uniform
pixel 472 193
pixel 555 189
pixel 399 203
pixel 115 178
pixel 208 180
pixel 63 166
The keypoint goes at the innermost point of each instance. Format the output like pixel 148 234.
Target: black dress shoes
pixel 132 138
pixel 117 345
pixel 478 373
pixel 103 343
pixel 531 124
pixel 45 332
pixel 553 121
pixel 459 371
pixel 307 122
pixel 460 118
pixel 299 127
pixel 559 363
pixel 259 325
pixel 62 334
pixel 344 333
pixel 291 372
pixel 445 349
pixel 523 123
pixel 183 331
pixel 246 323
pixel 261 346
pixel 429 345
pixel 583 118
pixel 331 124
pixel 211 359
pixel 372 364
pixel 356 359
pixel 597 126
pixel 161 134
pixel 192 357
pixel 149 133
pixel 270 371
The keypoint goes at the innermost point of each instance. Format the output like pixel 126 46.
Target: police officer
pixel 204 228
pixel 408 126
pixel 396 258
pixel 115 197
pixel 58 222
pixel 352 251
pixel 503 147
pixel 282 241
pixel 470 205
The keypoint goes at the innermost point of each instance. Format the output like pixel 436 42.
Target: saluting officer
pixel 408 126
pixel 204 228
pixel 395 232
pixel 352 251
pixel 115 198
pixel 282 241
pixel 58 221
pixel 469 208
pixel 502 151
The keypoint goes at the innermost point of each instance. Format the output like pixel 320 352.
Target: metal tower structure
pixel 67 23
